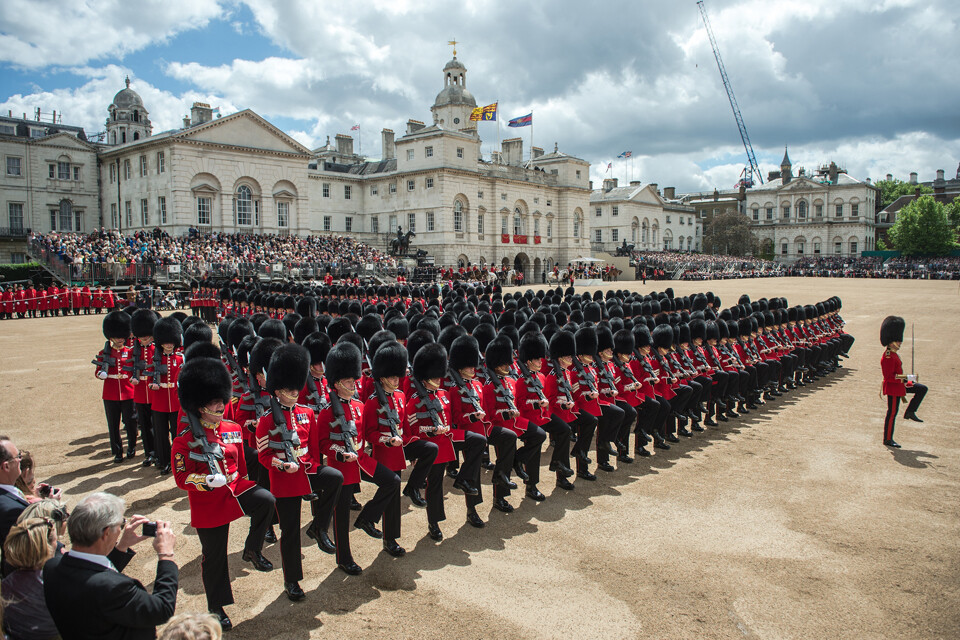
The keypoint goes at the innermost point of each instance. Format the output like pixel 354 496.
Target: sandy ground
pixel 792 522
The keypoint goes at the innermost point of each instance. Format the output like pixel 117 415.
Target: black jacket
pixel 87 600
pixel 11 507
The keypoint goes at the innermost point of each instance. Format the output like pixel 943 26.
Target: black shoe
pixel 368 528
pixel 452 470
pixel 467 488
pixel 891 443
pixel 606 466
pixel 722 418
pixel 415 497
pixel 310 497
pixel 391 547
pixel 351 568
pixel 683 432
pixel 581 455
pixel 433 530
pixel 294 592
pixel 271 537
pixel 623 457
pixel 147 461
pixel 563 483
pixel 489 466
pixel 710 422
pixel 474 519
pixel 742 409
pixel 534 494
pixel 501 504
pixel 256 558
pixel 354 505
pixel 696 427
pixel 323 540
pixel 732 414
pixel 911 416
pixel 586 475
pixel 518 469
pixel 671 438
pixel 660 444
pixel 222 618
pixel 131 453
pixel 642 452
pixel 504 481
pixel 561 469
pixel 164 471
pixel 118 458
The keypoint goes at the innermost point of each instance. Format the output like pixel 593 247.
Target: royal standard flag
pixel 487 113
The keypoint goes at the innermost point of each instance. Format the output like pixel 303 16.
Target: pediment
pixel 284 193
pixel 244 129
pixel 646 195
pixel 64 140
pixel 205 187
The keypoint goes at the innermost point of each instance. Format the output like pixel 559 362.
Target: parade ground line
pixel 791 522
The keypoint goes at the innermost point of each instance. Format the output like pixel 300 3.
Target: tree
pixel 953 214
pixel 890 190
pixel 729 233
pixel 922 227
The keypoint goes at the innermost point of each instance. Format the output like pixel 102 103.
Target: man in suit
pixel 12 501
pixel 86 594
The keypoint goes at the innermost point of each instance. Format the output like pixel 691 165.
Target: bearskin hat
pixel 663 336
pixel 369 325
pixel 260 354
pixel 272 328
pixel 399 326
pixel 318 346
pixel 533 346
pixel 604 338
pixel 116 324
pixel 379 338
pixel 754 325
pixel 169 331
pixel 891 330
pixel 744 326
pixel 586 341
pixel 723 328
pixel 499 352
pixel 484 333
pixel 683 333
pixel 417 340
pixel 698 329
pixel 464 352
pixel 288 368
pixel 338 327
pixel 390 360
pixel 624 342
pixel 197 332
pixel 142 321
pixel 201 350
pixel 449 334
pixel 641 335
pixel 201 381
pixel 239 329
pixel 343 361
pixel 593 312
pixel 303 328
pixel 430 362
pixel 562 344
pixel 307 306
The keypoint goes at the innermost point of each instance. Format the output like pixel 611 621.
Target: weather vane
pixel 453 43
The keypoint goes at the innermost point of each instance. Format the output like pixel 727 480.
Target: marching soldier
pixel 896 384
pixel 162 374
pixel 112 364
pixel 141 325
pixel 500 405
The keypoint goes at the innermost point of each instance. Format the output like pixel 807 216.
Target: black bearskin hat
pixel 449 334
pixel 586 341
pixel 563 343
pixel 744 326
pixel 318 346
pixel 593 312
pixel 533 346
pixel 723 328
pixel 239 329
pixel 260 354
pixel 712 331
pixel 303 328
pixel 484 333
pixel 201 381
pixel 379 338
pixel 464 352
pixel 663 336
pixel 417 340
pixel 624 342
pixel 430 362
pixel 201 350
pixel 499 352
pixel 891 330
pixel 116 324
pixel 641 335
pixel 390 360
pixel 338 327
pixel 288 368
pixel 698 329
pixel 683 333
pixel 604 338
pixel 400 327
pixel 196 332
pixel 169 331
pixel 343 361
pixel 369 325
pixel 273 328
pixel 307 306
pixel 142 321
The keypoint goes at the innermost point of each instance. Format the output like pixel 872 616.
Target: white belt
pixel 117 376
pixel 166 385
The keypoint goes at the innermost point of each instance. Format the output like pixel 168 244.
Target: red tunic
pixel 892 366
pixel 165 399
pixel 285 484
pixel 141 393
pixel 582 387
pixel 85 297
pixel 212 507
pixel 461 407
pixel 31 299
pixel 376 431
pixel 117 385
pixel 528 402
pixel 418 420
pixel 605 374
pixel 334 448
pixel 551 387
pixel 493 406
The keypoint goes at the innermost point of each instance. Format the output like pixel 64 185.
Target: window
pixel 816 248
pixel 756 213
pixel 801 210
pixel 786 212
pixel 769 213
pixel 428 152
pixel 37 133
pixel 578 174
pixel 615 235
pixel 373 189
pixel 393 187
pixel 411 185
pixel 18 257
pixel 503 196
pixel 459 152
pixel 283 215
pixel 479 225
pixel 429 183
pixel 855 210
pixel 410 153
pixel 374 224
pixel 13 166
pixel 549 228
pixel 113 215
pixel 348 224
pixel 392 224
pixel 412 222
pixel 668 219
pixel 327 221
pixel 430 221
pixel 536 226
pixel 576 227
pixel 503 226
pixel 128 212
pixel 113 173
pixel 243 206
pixel 549 203
pixel 63 170
pixel 51 171
pixel 536 201
pixel 161 164
pixel 76 174
pixel 799 248
pixel 143 166
pixel 162 208
pixel 347 192
pixel 517 222
pixel 8 129
pixel 616 211
pixel 204 207
pixel 598 235
pixel 853 247
pixel 144 213
pixel 326 189
pixel 126 170
pixel 458 216
pixel 681 219
pixel 480 195
pixel 839 210
pixel 597 212
pixel 783 249
pixel 15 213
pixel 838 247
pixel 818 210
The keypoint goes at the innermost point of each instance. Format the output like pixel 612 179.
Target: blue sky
pixel 869 85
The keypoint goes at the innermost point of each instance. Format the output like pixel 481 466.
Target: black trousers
pixel 504 442
pixel 585 425
pixel 422 453
pixel 164 431
pixel 258 504
pixel 653 414
pixel 529 453
pixel 473 446
pixel 288 514
pixel 434 494
pixel 115 410
pixel 626 425
pixel 560 433
pixel 327 483
pixel 385 502
pixel 608 428
pixel 145 420
pixel 846 341
pixel 707 385
pixel 893 405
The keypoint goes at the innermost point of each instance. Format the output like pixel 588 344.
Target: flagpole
pixel 531 136
pixel 498 130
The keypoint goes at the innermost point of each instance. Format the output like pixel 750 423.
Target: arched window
pixel 458 216
pixel 136 135
pixel 576 225
pixel 243 205
pixel 536 227
pixel 643 232
pixel 802 210
pixel 517 222
pixel 480 224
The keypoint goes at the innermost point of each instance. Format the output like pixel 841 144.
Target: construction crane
pixel 752 168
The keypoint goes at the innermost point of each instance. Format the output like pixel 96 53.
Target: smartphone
pixel 149 529
pixel 44 490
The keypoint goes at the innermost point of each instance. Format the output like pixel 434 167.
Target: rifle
pixel 207 452
pixel 625 369
pixel 502 393
pixel 471 393
pixel 652 376
pixel 348 427
pixel 585 375
pixel 105 361
pixel 392 419
pixel 532 380
pixel 159 369
pixel 289 438
pixel 608 378
pixel 315 396
pixel 139 364
pixel 231 359
pixel 562 383
pixel 434 411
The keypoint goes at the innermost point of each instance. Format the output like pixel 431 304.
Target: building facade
pixel 641 216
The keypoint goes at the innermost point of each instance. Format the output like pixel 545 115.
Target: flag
pixel 355 127
pixel 609 166
pixel 625 154
pixel 522 121
pixel 487 113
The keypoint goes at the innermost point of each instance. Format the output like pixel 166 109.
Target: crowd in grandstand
pixel 913 268
pixel 695 266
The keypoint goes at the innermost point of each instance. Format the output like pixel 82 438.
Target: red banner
pixel 519 239
pixel 505 238
pixel 536 239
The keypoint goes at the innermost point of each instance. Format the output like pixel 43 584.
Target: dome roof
pixel 455 94
pixel 127 98
pixel 454 64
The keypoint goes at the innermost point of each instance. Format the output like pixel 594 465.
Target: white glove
pixel 102 375
pixel 911 377
pixel 216 480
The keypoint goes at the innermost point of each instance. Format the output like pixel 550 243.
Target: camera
pixel 45 490
pixel 149 529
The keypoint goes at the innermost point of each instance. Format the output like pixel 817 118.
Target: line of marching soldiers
pixel 306 408
pixel 17 301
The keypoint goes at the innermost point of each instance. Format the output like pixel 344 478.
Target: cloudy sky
pixel 872 84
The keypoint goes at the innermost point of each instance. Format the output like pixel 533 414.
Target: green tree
pixel 953 213
pixel 729 233
pixel 922 227
pixel 890 190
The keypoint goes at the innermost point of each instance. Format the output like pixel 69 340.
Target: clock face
pixel 456 121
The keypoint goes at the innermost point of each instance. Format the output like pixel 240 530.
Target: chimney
pixel 414 125
pixel 634 183
pixel 344 145
pixel 512 151
pixel 940 173
pixel 200 112
pixel 537 152
pixel 591 185
pixel 716 195
pixel 608 184
pixel 669 193
pixel 833 171
pixel 889 177
pixel 913 177
pixel 388 146
pixel 654 186
pixel 869 181
pixel 186 122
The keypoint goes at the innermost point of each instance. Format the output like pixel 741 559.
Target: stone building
pixel 641 216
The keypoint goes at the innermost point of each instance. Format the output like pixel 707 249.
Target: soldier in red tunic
pixel 534 407
pixel 161 374
pixel 112 363
pixel 208 463
pixel 141 325
pixel 896 384
pixel 85 300
pixel 499 404
pixel 32 302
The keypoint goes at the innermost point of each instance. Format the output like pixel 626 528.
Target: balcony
pixel 14 232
